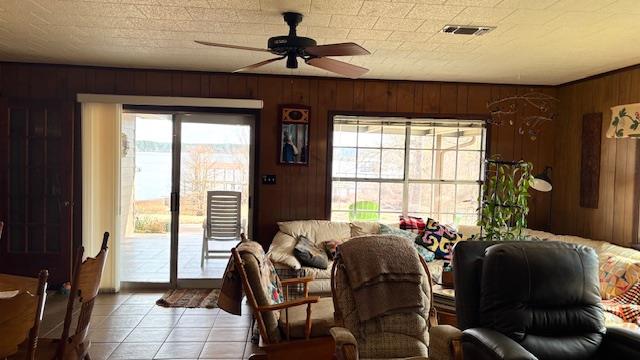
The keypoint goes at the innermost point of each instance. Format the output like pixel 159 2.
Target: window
pixel 385 167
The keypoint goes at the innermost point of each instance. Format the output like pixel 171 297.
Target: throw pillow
pixel 424 253
pixel 369 227
pixel 330 247
pixel 309 255
pixel 439 239
pixel 388 230
pixel 281 250
pixel 411 223
pixel 357 230
pixel 617 275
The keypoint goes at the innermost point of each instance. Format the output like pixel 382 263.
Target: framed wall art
pixel 294 134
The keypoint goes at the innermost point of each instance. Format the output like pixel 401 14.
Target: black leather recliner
pixel 534 300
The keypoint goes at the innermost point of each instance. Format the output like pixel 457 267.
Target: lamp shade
pixel 542 181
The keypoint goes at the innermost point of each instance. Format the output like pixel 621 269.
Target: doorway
pixel 172 159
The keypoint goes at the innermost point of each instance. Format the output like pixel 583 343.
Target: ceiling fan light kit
pixel 292 47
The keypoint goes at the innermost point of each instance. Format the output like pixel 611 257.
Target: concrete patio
pixel 145 257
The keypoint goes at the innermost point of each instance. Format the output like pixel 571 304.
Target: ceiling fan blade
pixel 338 67
pixel 257 65
pixel 231 46
pixel 341 49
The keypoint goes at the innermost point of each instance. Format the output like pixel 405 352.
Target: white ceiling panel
pixel 390 9
pixel 400 24
pixel 535 41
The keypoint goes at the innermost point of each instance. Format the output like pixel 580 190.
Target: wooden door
pixel 36 196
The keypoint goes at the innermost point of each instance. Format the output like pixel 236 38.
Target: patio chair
pixel 73 344
pixel 21 309
pixel 223 222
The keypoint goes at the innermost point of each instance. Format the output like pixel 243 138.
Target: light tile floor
pixel 131 326
pixel 145 257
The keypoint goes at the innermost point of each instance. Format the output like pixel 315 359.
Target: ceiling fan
pixel 293 47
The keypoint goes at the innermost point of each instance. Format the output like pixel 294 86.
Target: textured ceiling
pixel 536 41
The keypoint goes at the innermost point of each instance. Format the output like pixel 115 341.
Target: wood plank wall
pixel 615 216
pixel 300 192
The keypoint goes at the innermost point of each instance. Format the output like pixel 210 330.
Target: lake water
pixel 153 175
pixel 153 172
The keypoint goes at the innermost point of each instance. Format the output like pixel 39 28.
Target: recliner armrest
pixel 346 344
pixel 492 345
pixel 444 343
pixel 620 343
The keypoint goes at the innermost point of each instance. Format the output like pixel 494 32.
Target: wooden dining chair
pixel 84 289
pixel 21 314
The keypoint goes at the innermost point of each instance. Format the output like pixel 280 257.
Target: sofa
pixel 281 251
pixel 319 231
pixel 604 250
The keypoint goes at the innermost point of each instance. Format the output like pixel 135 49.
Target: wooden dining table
pixel 15 282
pixel 20 296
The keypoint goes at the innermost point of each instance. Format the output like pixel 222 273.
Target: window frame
pixel 485 150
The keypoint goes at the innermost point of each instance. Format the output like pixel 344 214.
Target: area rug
pixel 190 298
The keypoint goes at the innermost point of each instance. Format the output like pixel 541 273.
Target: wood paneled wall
pixel 615 218
pixel 300 192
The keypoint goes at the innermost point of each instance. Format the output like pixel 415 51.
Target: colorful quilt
pixel 617 274
pixel 625 306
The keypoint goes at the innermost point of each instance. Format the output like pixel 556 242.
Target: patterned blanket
pixel 230 298
pixel 625 306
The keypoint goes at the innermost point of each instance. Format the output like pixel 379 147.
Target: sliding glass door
pixel 170 161
pixel 145 189
pixel 215 155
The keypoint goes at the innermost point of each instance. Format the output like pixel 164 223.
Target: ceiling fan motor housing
pixel 291 45
pixel 281 45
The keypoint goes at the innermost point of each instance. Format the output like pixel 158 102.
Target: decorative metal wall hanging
pixel 528 112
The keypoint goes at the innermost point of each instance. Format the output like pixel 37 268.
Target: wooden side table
pixel 444 302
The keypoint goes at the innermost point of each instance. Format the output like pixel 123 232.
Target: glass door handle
pixel 174 201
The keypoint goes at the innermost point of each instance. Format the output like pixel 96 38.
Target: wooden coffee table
pixel 444 302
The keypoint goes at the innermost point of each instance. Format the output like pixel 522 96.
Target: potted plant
pixel 505 196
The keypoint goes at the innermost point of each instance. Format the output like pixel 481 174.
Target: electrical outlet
pixel 268 179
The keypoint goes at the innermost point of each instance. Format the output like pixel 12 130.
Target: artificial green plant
pixel 505 195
